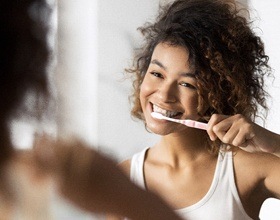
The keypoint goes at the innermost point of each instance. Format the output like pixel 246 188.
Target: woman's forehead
pixel 166 55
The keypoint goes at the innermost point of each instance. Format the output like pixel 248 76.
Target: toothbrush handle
pixel 196 124
pixel 200 125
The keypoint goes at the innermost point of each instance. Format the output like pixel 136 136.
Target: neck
pixel 186 147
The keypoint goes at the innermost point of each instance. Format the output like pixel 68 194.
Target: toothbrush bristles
pixel 157 115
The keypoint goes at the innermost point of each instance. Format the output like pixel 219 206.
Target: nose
pixel 167 92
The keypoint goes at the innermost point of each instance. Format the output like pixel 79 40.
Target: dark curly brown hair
pixel 24 56
pixel 228 57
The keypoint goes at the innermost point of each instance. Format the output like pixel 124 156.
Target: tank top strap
pixel 137 168
pixel 231 176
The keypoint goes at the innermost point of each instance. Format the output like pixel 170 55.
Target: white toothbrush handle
pixel 195 124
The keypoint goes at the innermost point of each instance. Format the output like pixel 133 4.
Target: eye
pixel 156 74
pixel 188 85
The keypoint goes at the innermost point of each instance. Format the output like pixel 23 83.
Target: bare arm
pixel 94 183
pixel 272 176
pixel 125 167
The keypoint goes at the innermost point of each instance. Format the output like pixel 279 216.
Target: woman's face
pixel 169 87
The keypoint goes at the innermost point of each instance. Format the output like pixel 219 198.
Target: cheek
pixel 192 100
pixel 145 89
pixel 194 106
pixel 202 106
pixel 191 104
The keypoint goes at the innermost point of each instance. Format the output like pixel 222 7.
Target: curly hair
pixel 229 59
pixel 24 55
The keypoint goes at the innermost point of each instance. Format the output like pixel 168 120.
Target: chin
pixel 159 130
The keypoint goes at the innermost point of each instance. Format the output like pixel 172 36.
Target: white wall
pixel 75 77
pixel 118 134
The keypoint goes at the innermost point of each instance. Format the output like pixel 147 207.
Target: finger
pixel 222 128
pixel 243 138
pixel 214 120
pixel 230 134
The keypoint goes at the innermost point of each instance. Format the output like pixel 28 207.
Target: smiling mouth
pixel 167 113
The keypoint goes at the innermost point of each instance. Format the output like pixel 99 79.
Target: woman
pixel 201 61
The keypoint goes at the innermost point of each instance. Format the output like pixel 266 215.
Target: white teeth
pixel 164 112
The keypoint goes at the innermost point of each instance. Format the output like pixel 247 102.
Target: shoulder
pixel 255 169
pixel 257 177
pixel 254 162
pixel 259 161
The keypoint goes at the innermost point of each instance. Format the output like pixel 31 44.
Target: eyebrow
pixel 156 62
pixel 192 75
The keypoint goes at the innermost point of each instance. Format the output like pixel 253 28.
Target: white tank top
pixel 221 202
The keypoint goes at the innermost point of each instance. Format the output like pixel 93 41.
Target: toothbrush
pixel 188 122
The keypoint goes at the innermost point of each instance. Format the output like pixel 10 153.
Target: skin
pixel 180 160
pixel 78 173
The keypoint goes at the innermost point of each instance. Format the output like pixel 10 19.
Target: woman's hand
pixel 238 131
